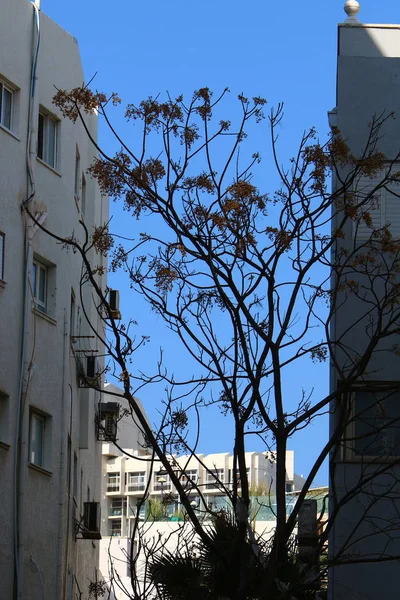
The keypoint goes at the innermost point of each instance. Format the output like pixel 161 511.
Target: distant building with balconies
pixel 130 478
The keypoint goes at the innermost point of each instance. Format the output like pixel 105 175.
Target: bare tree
pixel 250 283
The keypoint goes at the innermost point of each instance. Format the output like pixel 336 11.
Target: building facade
pixel 128 478
pixel 50 459
pixel 365 473
pixel 129 475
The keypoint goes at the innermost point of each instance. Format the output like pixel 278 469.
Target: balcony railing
pixel 165 487
pixel 115 512
pixel 133 513
pixel 113 487
pixel 135 487
pixel 114 533
pixel 212 485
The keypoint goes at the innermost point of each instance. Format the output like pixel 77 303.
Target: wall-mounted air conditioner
pixel 113 300
pixel 107 425
pixel 91 521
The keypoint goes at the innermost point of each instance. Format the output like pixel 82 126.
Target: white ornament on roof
pixel 352 8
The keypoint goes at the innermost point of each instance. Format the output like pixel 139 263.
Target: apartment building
pixel 208 479
pixel 50 459
pixel 365 471
pixel 129 475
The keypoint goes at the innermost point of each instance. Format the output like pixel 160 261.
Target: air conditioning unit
pixel 91 521
pixel 113 300
pixel 107 426
pixel 91 371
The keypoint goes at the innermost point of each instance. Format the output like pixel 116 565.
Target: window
pixel 75 491
pixel 39 285
pixel 69 454
pixel 117 507
pixel 72 316
pixel 81 491
pixel 115 529
pixel 190 475
pixel 136 481
pixel 382 207
pixel 114 480
pixel 133 504
pixel 213 477
pixel 4 418
pixel 36 439
pixel 39 439
pixel 6 105
pixel 77 183
pixel 43 285
pixel 47 139
pixel 2 240
pixel 375 430
pixel 230 476
pixel 75 480
pixel 221 503
pixel 161 482
pixel 83 198
pixel 188 478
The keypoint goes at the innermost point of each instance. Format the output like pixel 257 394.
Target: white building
pixel 365 470
pixel 50 459
pixel 129 475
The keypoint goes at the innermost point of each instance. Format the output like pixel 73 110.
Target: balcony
pixel 110 450
pixel 112 488
pixel 135 487
pixel 115 512
pixel 114 533
pixel 215 485
pixel 133 513
pixel 164 487
pixel 215 480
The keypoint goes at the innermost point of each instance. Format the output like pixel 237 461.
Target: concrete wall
pixel 368 526
pixel 51 555
pixel 158 537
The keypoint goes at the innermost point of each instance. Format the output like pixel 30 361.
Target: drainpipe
pixel 60 584
pixel 68 503
pixel 20 434
pixel 21 427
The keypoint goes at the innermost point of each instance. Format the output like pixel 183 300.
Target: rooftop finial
pixel 352 8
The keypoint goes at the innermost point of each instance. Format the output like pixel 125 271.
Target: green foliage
pixel 180 577
pixel 155 510
pixel 259 489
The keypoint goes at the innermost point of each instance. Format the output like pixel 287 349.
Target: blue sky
pixel 283 51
